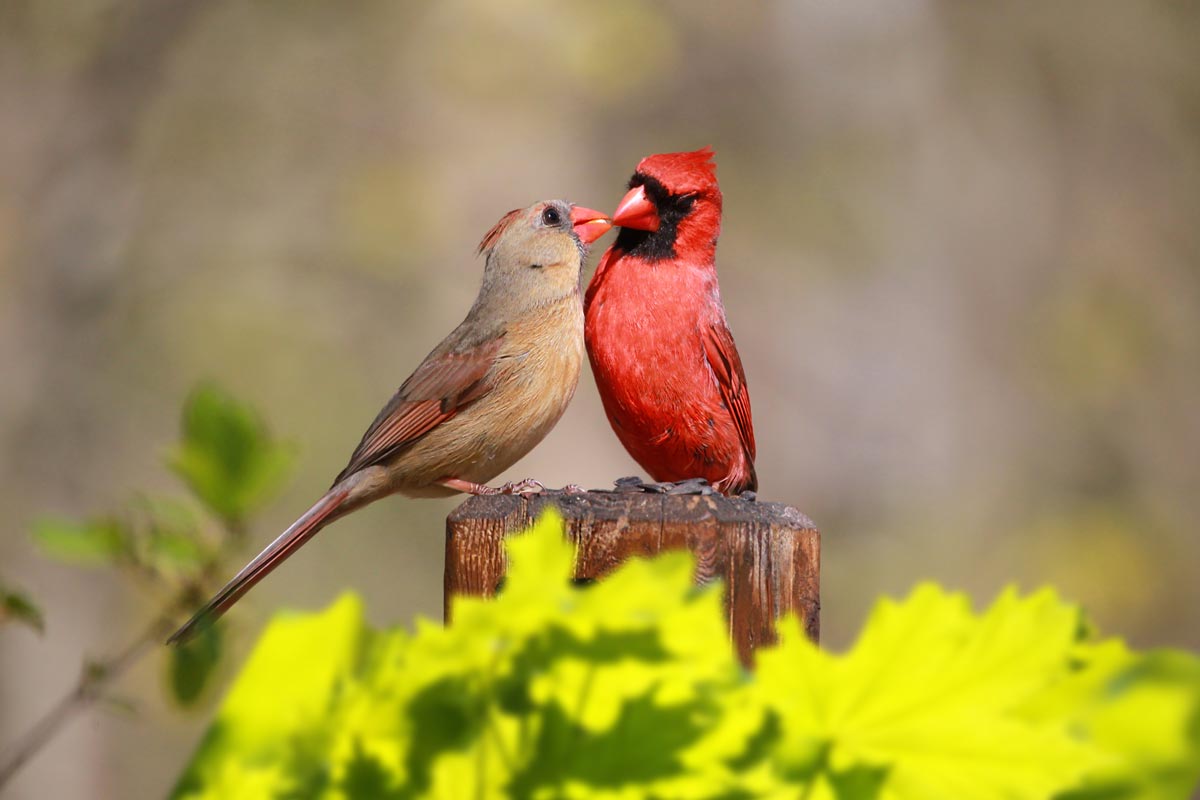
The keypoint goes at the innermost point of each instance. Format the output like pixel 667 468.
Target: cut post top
pixel 767 554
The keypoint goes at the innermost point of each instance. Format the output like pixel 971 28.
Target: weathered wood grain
pixel 768 554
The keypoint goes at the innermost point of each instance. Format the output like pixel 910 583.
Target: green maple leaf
pixel 931 695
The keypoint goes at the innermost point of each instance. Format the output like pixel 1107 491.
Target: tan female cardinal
pixel 665 363
pixel 481 400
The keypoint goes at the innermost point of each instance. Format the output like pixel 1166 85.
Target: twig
pixel 96 676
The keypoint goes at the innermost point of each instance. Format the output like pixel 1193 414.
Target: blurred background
pixel 961 257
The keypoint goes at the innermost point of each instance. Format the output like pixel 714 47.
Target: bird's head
pixel 534 255
pixel 673 205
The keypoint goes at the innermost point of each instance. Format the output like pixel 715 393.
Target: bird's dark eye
pixel 551 216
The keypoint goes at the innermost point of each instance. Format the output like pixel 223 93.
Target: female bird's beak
pixel 636 211
pixel 589 224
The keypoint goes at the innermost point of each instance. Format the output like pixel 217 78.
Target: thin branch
pixel 93 679
pixel 97 676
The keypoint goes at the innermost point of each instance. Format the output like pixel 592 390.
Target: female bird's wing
pixel 443 385
pixel 726 365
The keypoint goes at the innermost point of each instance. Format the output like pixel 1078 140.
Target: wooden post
pixel 768 554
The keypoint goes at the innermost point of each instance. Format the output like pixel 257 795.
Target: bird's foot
pixel 634 483
pixel 629 484
pixel 527 486
pixel 699 486
pixel 468 487
pixel 570 488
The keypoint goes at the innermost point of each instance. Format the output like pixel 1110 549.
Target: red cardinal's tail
pixel 288 542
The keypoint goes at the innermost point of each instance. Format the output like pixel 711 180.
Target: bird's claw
pixel 570 488
pixel 526 486
pixel 629 484
pixel 699 486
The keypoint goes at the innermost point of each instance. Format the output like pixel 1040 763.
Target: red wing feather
pixel 726 364
pixel 441 387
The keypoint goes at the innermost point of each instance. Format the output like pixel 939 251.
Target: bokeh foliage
pixel 628 689
pixel 226 456
pixel 232 464
pixel 17 606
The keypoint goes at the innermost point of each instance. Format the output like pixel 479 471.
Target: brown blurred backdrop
pixel 961 257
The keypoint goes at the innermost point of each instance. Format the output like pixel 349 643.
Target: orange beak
pixel 636 211
pixel 589 224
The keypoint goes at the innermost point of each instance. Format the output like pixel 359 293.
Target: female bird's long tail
pixel 287 543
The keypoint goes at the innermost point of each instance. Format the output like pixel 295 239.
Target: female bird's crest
pixel 491 237
pixel 584 224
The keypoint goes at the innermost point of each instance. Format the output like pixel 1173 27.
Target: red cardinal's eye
pixel 551 216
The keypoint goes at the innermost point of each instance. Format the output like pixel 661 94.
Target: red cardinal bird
pixel 480 401
pixel 664 360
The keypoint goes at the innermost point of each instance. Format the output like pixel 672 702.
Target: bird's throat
pixel 648 245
